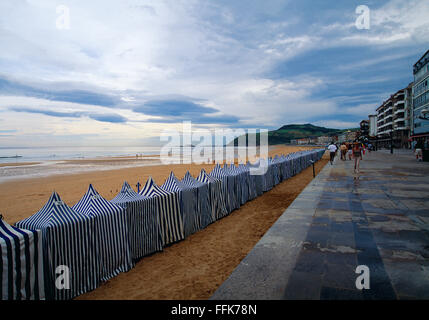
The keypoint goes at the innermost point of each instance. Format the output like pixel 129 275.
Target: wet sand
pixel 11 164
pixel 190 269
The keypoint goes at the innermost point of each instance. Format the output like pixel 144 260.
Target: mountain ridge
pixel 289 132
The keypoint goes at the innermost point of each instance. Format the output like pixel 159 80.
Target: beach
pixel 190 269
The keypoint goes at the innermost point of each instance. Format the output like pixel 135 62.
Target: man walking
pixel 332 150
pixel 343 149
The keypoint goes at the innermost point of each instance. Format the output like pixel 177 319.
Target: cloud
pixel 173 108
pixel 9 87
pixel 112 118
pixel 135 67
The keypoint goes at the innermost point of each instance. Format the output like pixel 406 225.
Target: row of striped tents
pixel 203 199
pixel 21 263
pixel 216 197
pixel 168 207
pixel 188 198
pixel 144 235
pixel 97 239
pixel 68 241
pixel 227 185
pixel 111 232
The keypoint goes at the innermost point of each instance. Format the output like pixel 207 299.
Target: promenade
pixel 378 217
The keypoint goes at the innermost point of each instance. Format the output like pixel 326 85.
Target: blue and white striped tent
pixel 21 264
pixel 111 233
pixel 168 207
pixel 217 198
pixel 144 231
pixel 249 182
pixel 243 190
pixel 230 170
pixel 203 197
pixel 275 170
pixel 284 167
pixel 68 240
pixel 227 185
pixel 256 177
pixel 188 198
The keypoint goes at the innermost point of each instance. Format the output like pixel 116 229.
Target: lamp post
pixel 312 162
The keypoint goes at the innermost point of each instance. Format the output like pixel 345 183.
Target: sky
pixel 120 72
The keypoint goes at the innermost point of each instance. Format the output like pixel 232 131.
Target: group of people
pixel 353 150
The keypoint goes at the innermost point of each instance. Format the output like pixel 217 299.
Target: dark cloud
pixel 172 111
pixel 9 87
pixel 112 118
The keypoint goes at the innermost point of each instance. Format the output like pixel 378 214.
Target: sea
pixel 34 162
pixel 37 154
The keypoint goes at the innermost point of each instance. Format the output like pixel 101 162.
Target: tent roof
pixel 93 203
pixel 218 171
pixel 7 231
pixel 189 180
pixel 127 194
pixel 172 183
pixel 54 212
pixel 205 177
pixel 151 189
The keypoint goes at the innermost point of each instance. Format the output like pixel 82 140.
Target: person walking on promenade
pixel 418 150
pixel 357 155
pixel 332 150
pixel 343 149
pixel 349 151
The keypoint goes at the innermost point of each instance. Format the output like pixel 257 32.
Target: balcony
pixel 388 109
pixel 399 102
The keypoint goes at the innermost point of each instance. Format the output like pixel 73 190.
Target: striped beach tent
pixel 112 244
pixel 230 170
pixel 203 199
pixel 67 240
pixel 244 184
pixel 227 185
pixel 256 176
pixel 275 170
pixel 283 162
pixel 21 263
pixel 188 199
pixel 249 182
pixel 168 207
pixel 144 235
pixel 217 198
pixel 262 168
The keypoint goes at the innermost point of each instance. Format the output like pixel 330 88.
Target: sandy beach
pixel 190 269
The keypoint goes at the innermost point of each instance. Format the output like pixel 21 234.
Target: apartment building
pixel 393 121
pixel 420 98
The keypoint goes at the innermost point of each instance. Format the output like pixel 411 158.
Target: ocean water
pixel 37 154
pixel 51 160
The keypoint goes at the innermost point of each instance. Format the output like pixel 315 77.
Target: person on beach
pixel 332 151
pixel 357 155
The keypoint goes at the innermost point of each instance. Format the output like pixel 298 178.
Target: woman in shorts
pixel 357 155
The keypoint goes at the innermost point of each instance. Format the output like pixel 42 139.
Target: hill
pixel 296 131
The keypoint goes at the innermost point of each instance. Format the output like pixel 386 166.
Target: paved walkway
pixel 378 218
